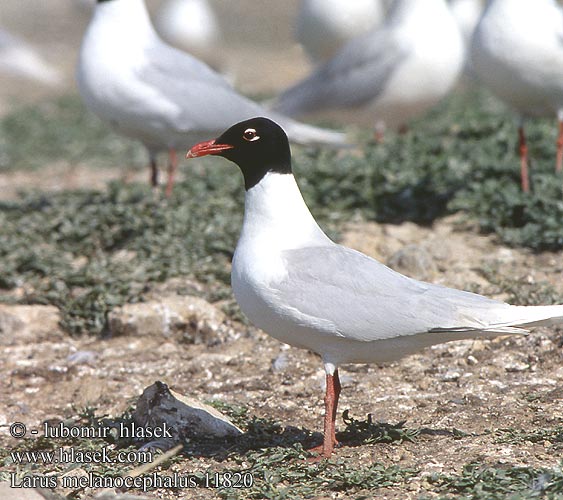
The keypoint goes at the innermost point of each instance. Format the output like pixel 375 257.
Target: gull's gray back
pixel 366 300
pixel 354 77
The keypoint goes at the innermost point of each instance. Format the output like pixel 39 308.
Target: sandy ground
pixel 477 387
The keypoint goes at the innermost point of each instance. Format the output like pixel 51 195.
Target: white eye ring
pixel 250 135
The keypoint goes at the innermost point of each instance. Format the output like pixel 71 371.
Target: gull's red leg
pixel 335 395
pixel 331 405
pixel 523 148
pixel 172 166
pixel 559 158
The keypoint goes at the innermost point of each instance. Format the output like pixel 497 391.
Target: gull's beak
pixel 207 148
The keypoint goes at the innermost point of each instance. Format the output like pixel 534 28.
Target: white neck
pixel 276 216
pixel 127 18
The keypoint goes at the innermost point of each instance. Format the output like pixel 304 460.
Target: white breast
pixel 108 73
pixel 275 219
pixel 517 52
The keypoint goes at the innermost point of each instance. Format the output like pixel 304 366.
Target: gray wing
pixel 365 300
pixel 204 100
pixel 352 78
pixel 205 103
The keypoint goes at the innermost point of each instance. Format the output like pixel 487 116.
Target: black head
pixel 257 146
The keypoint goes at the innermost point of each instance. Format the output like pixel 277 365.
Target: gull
pixel 303 289
pixel 517 52
pixel 390 75
pixel 190 25
pixel 160 95
pixel 19 59
pixel 323 26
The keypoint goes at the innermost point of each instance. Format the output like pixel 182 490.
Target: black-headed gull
pixel 517 52
pixel 296 284
pixel 324 26
pixel 390 75
pixel 160 95
pixel 19 59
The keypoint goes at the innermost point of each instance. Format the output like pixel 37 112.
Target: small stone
pixel 472 360
pixel 280 363
pixel 451 376
pixel 517 367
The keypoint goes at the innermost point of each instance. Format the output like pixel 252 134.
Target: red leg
pixel 559 158
pixel 379 131
pixel 154 171
pixel 331 404
pixel 523 160
pixel 379 136
pixel 172 166
pixel 336 391
pixel 403 129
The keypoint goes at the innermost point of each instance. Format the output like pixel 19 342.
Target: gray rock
pixel 194 319
pixel 183 416
pixel 25 323
pixel 414 261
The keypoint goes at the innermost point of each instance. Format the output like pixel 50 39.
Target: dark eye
pixel 250 135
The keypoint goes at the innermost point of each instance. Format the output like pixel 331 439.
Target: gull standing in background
pixel 296 284
pixel 517 52
pixel 324 26
pixel 390 75
pixel 19 59
pixel 192 26
pixel 160 95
